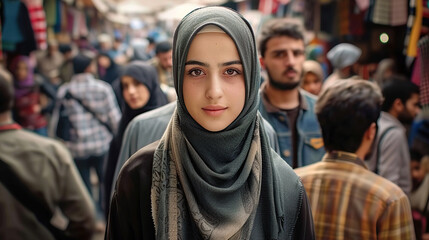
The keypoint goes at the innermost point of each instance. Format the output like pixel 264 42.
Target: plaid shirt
pixel 91 137
pixel 350 202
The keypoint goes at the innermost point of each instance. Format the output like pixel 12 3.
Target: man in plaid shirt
pixel 94 116
pixel 347 200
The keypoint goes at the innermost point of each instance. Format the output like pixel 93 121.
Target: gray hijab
pixel 207 185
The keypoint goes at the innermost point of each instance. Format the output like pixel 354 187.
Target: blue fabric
pixel 11 33
pixel 307 128
pixel 84 166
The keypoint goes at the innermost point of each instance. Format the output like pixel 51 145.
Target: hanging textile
pixel 17 32
pixel 413 27
pixel 38 22
pixel 424 80
pixel 344 16
pixel 390 12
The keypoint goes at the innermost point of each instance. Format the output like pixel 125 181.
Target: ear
pixel 397 105
pixel 261 61
pixel 371 132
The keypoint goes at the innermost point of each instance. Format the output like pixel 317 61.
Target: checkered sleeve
pixel 396 222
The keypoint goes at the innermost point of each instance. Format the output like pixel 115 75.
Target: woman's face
pixel 21 71
pixel 104 61
pixel 213 85
pixel 311 83
pixel 135 93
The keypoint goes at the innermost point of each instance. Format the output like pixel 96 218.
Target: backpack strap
pixel 377 161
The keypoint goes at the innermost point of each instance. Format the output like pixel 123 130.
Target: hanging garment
pixel 11 17
pixel 38 22
pixel 424 80
pixel 414 27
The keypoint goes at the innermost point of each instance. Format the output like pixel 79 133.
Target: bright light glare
pixel 384 38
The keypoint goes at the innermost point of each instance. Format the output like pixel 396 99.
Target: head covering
pixel 24 86
pixel 226 165
pixel 81 63
pixel 110 73
pixel 343 55
pixel 313 67
pixel 146 75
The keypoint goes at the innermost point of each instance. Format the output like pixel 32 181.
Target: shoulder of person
pixel 139 165
pixel 287 177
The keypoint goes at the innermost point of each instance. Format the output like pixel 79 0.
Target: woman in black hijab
pixel 141 93
pixel 213 174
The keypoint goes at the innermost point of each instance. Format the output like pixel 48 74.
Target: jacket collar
pixel 272 109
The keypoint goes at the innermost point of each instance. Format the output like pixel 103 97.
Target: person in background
pixel 93 114
pixel 389 156
pixel 66 70
pixel 215 142
pixel 347 200
pixel 164 64
pixel 283 104
pixel 385 69
pixel 50 60
pixel 141 93
pixel 29 104
pixel 46 169
pixel 312 77
pixel 108 69
pixel 343 58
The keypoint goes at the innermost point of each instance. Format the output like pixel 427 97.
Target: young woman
pixel 141 93
pixel 213 174
pixel 28 104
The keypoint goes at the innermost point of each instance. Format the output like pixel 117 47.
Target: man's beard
pixel 280 85
pixel 405 117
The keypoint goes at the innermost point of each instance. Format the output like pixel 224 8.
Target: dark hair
pixel 345 111
pixel 163 47
pixel 415 155
pixel 397 87
pixel 6 93
pixel 279 28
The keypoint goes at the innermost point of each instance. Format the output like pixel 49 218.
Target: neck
pixel 283 99
pixel 393 113
pixel 361 153
pixel 5 118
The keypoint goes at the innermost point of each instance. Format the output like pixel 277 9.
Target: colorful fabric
pixel 38 22
pixel 350 202
pixel 413 27
pixel 424 80
pixel 390 12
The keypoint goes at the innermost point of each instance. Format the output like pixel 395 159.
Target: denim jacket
pixel 310 142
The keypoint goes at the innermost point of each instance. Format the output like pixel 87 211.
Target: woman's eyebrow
pixel 194 62
pixel 231 63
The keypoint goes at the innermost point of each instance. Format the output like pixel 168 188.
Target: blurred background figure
pixel 141 93
pixel 39 183
pixel 108 69
pixel 312 77
pixel 385 69
pixel 28 101
pixel 163 62
pixel 343 58
pixel 50 60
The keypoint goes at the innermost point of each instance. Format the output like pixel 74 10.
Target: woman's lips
pixel 214 111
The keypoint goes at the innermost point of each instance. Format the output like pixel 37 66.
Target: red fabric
pixel 27 111
pixel 38 22
pixel 12 126
pixel 268 6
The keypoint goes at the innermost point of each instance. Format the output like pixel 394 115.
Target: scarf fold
pixel 208 185
pixel 219 213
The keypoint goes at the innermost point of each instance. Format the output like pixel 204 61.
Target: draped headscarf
pixel 207 185
pixel 144 74
pixel 24 86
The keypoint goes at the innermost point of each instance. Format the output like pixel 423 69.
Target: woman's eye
pixel 195 72
pixel 231 72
